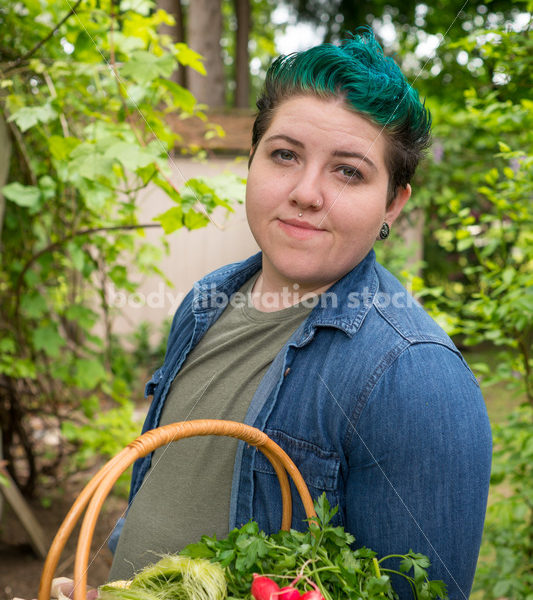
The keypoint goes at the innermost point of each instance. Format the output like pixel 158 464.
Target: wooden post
pixel 25 515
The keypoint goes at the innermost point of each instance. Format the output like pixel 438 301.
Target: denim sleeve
pixel 419 467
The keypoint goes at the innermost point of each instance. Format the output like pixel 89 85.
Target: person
pixel 318 345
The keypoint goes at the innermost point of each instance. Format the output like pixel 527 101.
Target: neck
pixel 271 296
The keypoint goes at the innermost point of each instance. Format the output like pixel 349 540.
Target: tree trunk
pixel 242 71
pixel 204 33
pixel 176 32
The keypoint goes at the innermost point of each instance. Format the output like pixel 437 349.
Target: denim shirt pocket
pixel 153 382
pixel 320 470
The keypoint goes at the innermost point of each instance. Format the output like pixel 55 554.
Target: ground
pixel 20 570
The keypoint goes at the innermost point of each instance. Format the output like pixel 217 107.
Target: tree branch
pixel 62 241
pixel 52 32
pixel 21 147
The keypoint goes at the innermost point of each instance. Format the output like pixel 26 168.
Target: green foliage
pixel 508 536
pixel 322 554
pixel 479 257
pixel 261 45
pixel 478 276
pixel 104 434
pixel 85 95
pixel 220 190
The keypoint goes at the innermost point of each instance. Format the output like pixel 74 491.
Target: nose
pixel 307 191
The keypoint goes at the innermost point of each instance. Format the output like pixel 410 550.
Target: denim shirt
pixel 377 408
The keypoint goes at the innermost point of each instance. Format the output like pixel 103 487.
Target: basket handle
pixel 96 491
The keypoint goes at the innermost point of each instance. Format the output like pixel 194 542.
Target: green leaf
pixel 195 220
pixel 7 345
pixel 127 43
pixel 132 156
pixel 323 510
pixel 501 588
pixel 143 67
pixel 69 430
pixel 143 7
pixel 28 116
pixel 197 550
pixel 188 57
pixel 89 373
pixel 95 194
pixel 47 339
pixel 90 405
pixel 509 173
pixel 61 147
pixel 23 195
pixel 464 244
pixel 87 160
pixel 48 187
pixel 33 305
pixel 77 255
pixel 171 220
pixel 84 316
pixel 183 99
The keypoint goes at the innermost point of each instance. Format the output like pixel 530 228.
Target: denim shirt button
pixel 287 371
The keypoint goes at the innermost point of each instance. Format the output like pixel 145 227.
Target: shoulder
pixel 404 314
pixel 399 348
pixel 427 386
pixel 427 348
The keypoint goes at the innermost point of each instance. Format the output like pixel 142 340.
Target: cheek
pixel 358 216
pixel 260 196
pixel 255 208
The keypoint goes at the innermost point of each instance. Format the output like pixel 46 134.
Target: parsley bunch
pixel 323 554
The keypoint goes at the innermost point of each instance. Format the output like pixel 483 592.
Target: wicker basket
pixel 96 491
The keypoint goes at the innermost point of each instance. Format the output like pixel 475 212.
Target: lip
pixel 299 229
pixel 299 223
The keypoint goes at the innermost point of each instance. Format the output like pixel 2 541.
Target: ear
pixel 396 206
pixel 251 155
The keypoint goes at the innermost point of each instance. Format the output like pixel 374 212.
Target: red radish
pixel 263 588
pixel 289 593
pixel 312 595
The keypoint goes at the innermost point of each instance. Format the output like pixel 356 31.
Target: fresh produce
pixel 174 577
pixel 263 588
pixel 288 593
pixel 318 564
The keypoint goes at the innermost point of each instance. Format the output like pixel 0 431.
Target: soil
pixel 20 569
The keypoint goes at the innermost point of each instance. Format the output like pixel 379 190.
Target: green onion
pixel 172 578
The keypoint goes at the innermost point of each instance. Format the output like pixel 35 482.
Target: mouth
pixel 300 224
pixel 299 229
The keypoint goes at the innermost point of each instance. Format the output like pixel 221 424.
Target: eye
pixel 283 155
pixel 351 173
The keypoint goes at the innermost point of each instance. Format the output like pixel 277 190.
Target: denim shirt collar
pixel 343 306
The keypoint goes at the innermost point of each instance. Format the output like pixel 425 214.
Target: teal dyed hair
pixel 370 84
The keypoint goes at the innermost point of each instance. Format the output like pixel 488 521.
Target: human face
pixel 326 162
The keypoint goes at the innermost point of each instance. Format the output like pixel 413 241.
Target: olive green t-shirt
pixel 186 492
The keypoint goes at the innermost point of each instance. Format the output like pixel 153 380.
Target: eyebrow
pixel 346 154
pixel 337 153
pixel 281 136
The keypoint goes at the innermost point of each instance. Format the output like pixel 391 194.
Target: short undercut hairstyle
pixel 370 84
